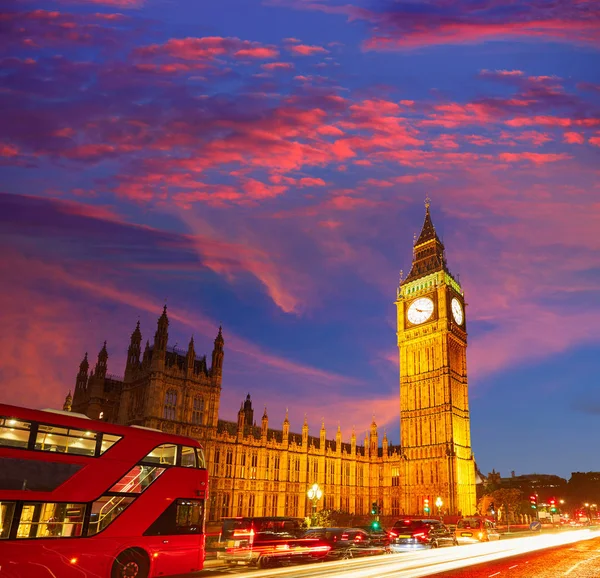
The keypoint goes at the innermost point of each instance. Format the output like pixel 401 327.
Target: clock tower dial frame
pixel 434 407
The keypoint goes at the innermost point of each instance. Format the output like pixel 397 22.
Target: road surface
pixel 571 554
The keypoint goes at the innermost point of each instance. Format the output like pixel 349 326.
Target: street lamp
pixel 438 504
pixel 314 495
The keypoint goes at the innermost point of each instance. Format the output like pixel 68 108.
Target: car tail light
pixel 344 536
pixel 392 534
pixel 324 548
pixel 420 536
pixel 358 538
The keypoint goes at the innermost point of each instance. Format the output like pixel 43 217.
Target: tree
pixel 509 501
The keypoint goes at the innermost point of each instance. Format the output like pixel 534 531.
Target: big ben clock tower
pixel 435 427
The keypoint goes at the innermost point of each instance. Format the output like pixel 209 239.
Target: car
pixel 475 529
pixel 378 536
pixel 420 534
pixel 347 542
pixel 267 542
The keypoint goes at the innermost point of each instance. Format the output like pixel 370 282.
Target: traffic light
pixel 492 508
pixel 553 505
pixel 426 505
pixel 374 509
pixel 533 501
pixel 375 525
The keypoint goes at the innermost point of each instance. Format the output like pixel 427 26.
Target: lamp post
pixel 438 504
pixel 314 495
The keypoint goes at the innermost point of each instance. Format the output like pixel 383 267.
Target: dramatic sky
pixel 263 164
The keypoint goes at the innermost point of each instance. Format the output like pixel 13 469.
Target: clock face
pixel 457 311
pixel 420 310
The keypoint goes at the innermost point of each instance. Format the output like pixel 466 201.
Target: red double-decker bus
pixel 82 498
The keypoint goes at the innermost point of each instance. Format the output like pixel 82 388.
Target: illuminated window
pixel 108 440
pixel 253 465
pixel 51 438
pixel 395 476
pixel 198 411
pixel 229 464
pixel 225 506
pixel 188 457
pixel 137 479
pixel 165 454
pixel 276 463
pixel 50 520
pixel 183 516
pixel 7 510
pixel 14 432
pixel 243 465
pixel 105 510
pixel 170 407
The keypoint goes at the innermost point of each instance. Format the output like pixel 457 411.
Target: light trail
pixel 427 562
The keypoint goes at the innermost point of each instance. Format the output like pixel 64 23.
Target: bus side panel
pixel 57 558
pixel 184 554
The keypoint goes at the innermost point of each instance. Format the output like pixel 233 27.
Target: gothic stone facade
pixel 256 470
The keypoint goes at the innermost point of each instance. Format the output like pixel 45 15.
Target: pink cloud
pixel 306 50
pixel 278 66
pixel 536 158
pixel 573 138
pixel 257 52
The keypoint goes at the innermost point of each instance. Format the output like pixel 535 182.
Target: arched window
pixel 170 407
pixel 198 411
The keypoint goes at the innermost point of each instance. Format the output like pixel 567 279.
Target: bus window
pixel 14 432
pixel 201 459
pixel 184 516
pixel 42 520
pixel 108 440
pixel 164 454
pixel 188 457
pixel 60 439
pixel 137 479
pixel 105 510
pixel 6 515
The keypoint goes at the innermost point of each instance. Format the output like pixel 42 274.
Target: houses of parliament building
pixel 260 469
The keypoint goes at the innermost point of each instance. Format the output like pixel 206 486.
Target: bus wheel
pixel 131 563
pixel 264 562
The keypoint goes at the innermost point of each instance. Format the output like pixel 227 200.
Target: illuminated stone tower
pixel 434 405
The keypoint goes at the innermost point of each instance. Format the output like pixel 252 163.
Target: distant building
pixel 259 470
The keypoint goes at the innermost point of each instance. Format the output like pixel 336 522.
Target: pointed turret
pixel 322 436
pixel 338 439
pixel 81 380
pixel 147 354
pixel 84 365
pixel 68 402
pixel 353 442
pixel 133 353
pixel 286 427
pixel 248 411
pixel 305 431
pixel 217 357
pixel 429 253
pixel 384 444
pixel 373 438
pixel 101 364
pixel 264 428
pixel 241 422
pixel 190 358
pixel 162 332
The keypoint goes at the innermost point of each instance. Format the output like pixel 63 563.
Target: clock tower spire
pixel 434 407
